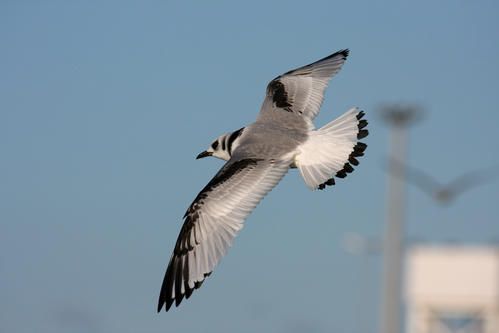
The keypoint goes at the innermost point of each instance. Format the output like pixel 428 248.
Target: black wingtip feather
pixel 178 278
pixel 341 174
pixel 168 305
pixel 187 289
pixel 353 160
pixel 360 147
pixel 177 268
pixel 344 53
pixel 362 134
pixel 167 287
pixel 348 168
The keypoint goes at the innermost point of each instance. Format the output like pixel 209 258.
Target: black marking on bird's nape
pixel 223 144
pixel 279 95
pixel 233 136
pixel 358 151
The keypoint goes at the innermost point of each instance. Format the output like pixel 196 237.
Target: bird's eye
pixel 214 145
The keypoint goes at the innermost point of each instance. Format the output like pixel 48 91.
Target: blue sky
pixel 105 104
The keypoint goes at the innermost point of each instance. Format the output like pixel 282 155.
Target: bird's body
pixel 253 143
pixel 258 156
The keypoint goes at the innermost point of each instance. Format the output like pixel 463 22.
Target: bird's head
pixel 223 146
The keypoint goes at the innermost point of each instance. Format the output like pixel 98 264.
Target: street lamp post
pixel 399 118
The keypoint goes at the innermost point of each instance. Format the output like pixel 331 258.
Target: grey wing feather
pixel 213 220
pixel 301 90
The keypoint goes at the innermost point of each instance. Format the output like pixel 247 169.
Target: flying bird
pixel 444 193
pixel 258 156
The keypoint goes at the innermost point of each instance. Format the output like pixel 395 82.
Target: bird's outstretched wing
pixel 448 192
pixel 301 90
pixel 415 176
pixel 472 179
pixel 213 220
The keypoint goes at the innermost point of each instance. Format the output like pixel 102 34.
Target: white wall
pixel 452 281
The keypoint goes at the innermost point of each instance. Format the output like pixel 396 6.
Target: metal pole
pixel 393 247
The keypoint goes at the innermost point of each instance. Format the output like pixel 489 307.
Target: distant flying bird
pixel 258 156
pixel 445 193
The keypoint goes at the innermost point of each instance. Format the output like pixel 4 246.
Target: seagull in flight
pixel 258 156
pixel 444 193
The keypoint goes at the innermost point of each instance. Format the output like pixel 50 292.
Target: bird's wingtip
pixel 344 52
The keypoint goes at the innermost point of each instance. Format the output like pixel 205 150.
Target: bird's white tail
pixel 331 150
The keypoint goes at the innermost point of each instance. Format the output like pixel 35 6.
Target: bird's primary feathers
pixel 258 156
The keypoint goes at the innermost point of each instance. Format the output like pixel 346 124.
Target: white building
pixel 452 289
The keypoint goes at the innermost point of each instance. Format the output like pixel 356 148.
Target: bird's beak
pixel 204 154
